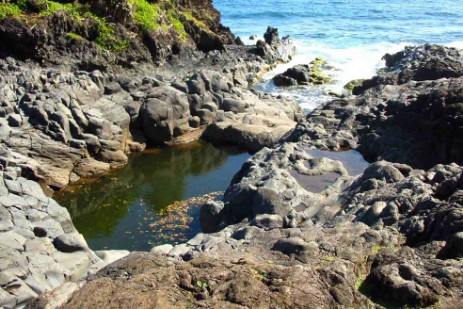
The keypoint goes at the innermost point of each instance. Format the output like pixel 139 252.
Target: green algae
pixel 352 84
pixel 317 77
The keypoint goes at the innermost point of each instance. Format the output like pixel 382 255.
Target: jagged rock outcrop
pixel 107 34
pixel 82 89
pixel 304 74
pixel 390 118
pixel 54 122
pixel 350 234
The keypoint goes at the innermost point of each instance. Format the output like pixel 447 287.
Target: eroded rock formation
pixel 302 226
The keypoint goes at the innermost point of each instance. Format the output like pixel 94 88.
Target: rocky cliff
pixel 106 34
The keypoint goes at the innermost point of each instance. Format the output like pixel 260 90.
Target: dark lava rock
pixel 420 127
pixel 271 36
pixel 303 74
pixel 40 231
pixel 70 243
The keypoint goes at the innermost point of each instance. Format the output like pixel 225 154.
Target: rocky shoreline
pixel 60 126
pixel 298 227
pixel 301 228
pixel 70 112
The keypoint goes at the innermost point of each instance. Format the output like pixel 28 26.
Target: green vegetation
pixel 75 9
pixel 329 259
pixel 201 284
pixel 318 62
pixel 74 36
pixel 189 16
pixel 317 77
pixel 258 275
pixel 161 15
pixel 22 4
pixel 107 38
pixel 352 84
pixel 9 10
pixel 376 248
pixel 360 282
pixel 146 15
pixel 158 16
pixel 177 24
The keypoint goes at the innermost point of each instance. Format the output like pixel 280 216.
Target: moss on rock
pixel 352 84
pixel 317 77
pixel 9 10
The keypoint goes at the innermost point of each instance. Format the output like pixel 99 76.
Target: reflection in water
pixel 116 211
pixel 352 160
pixel 315 183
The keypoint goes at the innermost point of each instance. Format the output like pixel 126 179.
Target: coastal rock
pixel 388 119
pixel 60 38
pixel 299 226
pixel 70 243
pixel 75 122
pixel 427 62
pixel 163 113
pixel 40 248
pixel 271 36
pixel 110 256
pixel 303 74
pixel 91 168
pixel 248 283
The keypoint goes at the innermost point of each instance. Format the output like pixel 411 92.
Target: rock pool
pixel 141 205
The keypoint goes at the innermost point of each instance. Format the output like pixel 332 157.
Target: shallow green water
pixel 138 206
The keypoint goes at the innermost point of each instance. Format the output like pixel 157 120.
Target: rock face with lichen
pixel 303 226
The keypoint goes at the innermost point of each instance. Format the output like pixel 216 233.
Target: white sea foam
pixel 351 63
pixel 456 44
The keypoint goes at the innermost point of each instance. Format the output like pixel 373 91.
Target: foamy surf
pixel 351 63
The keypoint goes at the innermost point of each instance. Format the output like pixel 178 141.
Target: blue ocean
pixel 352 35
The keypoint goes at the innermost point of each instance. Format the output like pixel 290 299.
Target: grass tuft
pixel 74 36
pixel 146 15
pixel 107 38
pixel 9 10
pixel 52 7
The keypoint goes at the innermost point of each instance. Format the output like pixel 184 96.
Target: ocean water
pixel 352 35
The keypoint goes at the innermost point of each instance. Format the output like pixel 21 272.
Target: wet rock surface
pixel 304 74
pixel 385 234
